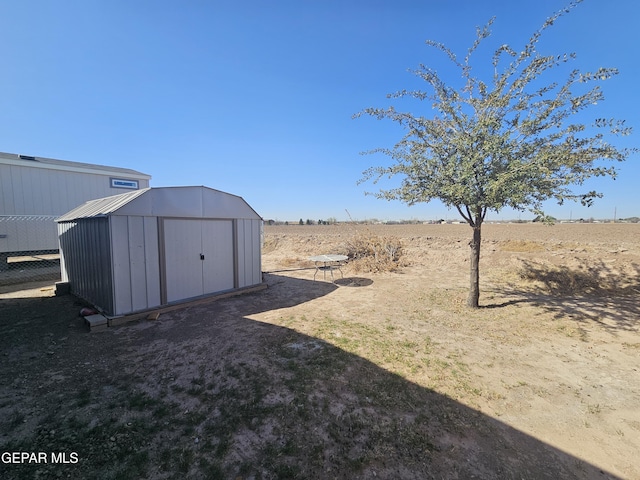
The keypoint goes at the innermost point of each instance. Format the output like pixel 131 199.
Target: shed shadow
pixel 285 291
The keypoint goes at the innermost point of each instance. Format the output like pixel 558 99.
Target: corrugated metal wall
pixel 86 262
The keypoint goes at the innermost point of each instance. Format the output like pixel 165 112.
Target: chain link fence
pixel 28 249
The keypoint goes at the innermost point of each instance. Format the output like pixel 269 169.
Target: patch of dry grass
pixel 521 246
pixel 368 252
pixel 270 244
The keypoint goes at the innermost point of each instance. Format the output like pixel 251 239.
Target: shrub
pixel 371 253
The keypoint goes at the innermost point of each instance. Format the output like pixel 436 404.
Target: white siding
pixel 41 191
pixel 22 233
pixel 137 269
pixel 135 263
pixel 7 205
pixel 152 261
pixel 241 260
pixel 249 250
pixel 121 272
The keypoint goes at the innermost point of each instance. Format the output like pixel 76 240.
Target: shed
pixel 157 246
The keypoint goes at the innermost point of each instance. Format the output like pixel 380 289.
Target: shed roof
pixel 184 202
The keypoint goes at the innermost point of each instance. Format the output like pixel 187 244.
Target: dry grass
pixel 270 244
pixel 373 253
pixel 521 246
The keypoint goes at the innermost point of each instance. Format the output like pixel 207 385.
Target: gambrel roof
pixel 179 202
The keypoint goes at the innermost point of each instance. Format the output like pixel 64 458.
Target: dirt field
pixel 380 375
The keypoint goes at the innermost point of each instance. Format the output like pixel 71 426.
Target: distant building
pixel 34 191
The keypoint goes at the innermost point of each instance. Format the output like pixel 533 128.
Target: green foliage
pixel 507 142
pixel 545 219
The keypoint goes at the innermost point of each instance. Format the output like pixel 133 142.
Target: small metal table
pixel 328 263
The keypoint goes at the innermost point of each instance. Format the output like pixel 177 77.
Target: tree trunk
pixel 474 287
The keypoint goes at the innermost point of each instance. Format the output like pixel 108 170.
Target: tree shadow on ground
pixel 354 282
pixel 589 292
pixel 208 392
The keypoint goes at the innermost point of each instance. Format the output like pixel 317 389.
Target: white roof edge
pixel 68 166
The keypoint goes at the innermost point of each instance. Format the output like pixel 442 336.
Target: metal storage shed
pixel 157 246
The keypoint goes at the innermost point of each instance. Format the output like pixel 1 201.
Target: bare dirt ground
pixel 555 352
pixel 381 375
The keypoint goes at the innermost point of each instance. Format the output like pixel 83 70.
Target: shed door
pixel 198 256
pixel 217 248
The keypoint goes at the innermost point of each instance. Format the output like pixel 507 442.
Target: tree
pixel 510 142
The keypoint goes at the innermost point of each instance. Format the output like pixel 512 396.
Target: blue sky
pixel 256 98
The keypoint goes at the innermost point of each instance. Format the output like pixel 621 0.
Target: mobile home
pixel 35 190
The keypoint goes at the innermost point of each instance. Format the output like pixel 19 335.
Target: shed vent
pixel 27 157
